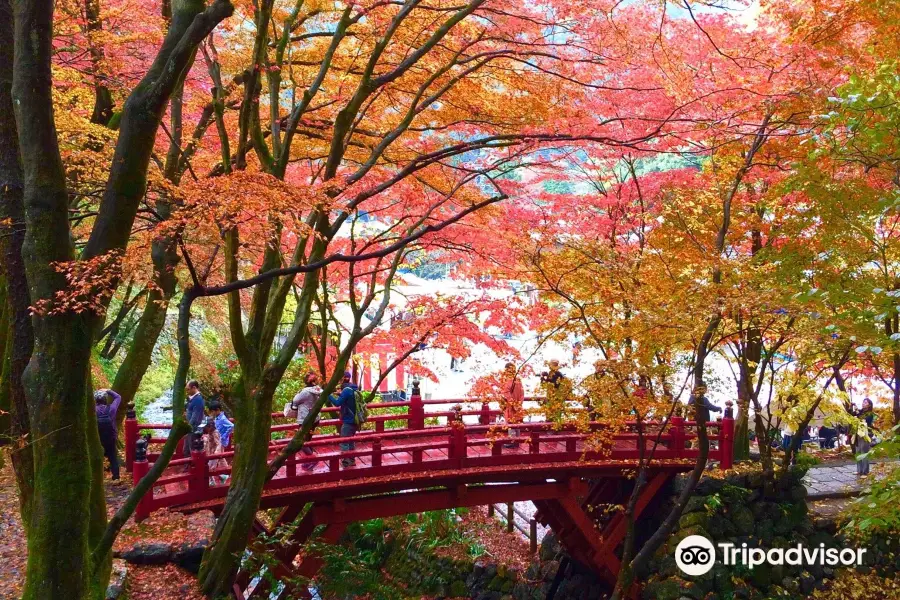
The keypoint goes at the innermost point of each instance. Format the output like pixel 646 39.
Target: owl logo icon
pixel 695 555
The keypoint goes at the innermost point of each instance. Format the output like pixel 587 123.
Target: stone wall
pixel 734 509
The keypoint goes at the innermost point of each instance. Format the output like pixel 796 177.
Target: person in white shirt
pixel 303 403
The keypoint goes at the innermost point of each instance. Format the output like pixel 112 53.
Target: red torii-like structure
pixel 420 467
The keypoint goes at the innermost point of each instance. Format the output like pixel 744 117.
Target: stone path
pixel 836 481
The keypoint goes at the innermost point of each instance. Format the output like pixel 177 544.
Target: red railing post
pixel 676 434
pixel 534 443
pixel 416 410
pixel 140 467
pixel 457 438
pixel 131 436
pixel 726 438
pixel 376 453
pixel 291 466
pixel 199 481
pixel 459 441
pixel 485 417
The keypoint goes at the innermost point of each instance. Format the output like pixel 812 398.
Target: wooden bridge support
pixel 576 523
pixel 567 507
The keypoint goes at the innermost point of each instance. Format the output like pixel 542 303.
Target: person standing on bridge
pixel 346 401
pixel 303 403
pixel 223 424
pixel 698 397
pixel 513 399
pixel 107 405
pixel 558 390
pixel 194 413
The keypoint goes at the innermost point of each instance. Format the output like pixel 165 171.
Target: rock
pixel 761 510
pixel 799 493
pixel 534 571
pixel 458 589
pixel 807 583
pixel 694 519
pixel 521 591
pixel 116 585
pixel 667 567
pixel 791 585
pixel 549 569
pixel 741 593
pixel 755 480
pixel 668 589
pixel 683 533
pixel 695 504
pixel 780 542
pixel 550 547
pixel 761 577
pixel 737 480
pixel 743 520
pixel 828 572
pixel 828 524
pixel 765 530
pixel 188 556
pixel 720 527
pixel 149 554
pixel 478 569
pixel 709 486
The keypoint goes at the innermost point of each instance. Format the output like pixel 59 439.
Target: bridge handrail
pixel 450 442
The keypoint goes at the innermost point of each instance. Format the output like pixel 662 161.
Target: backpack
pixel 104 421
pixel 361 412
pixel 290 410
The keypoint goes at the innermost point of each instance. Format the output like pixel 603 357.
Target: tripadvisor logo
pixel 696 555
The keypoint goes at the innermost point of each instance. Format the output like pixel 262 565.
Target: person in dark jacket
pixel 346 400
pixel 106 405
pixel 194 413
pixel 699 397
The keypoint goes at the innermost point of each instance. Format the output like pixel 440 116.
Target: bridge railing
pixel 433 448
pixel 415 417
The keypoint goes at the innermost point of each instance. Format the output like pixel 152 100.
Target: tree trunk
pixel 742 424
pixel 252 435
pixel 68 513
pixel 222 557
pixel 19 340
pixel 896 388
pixel 57 378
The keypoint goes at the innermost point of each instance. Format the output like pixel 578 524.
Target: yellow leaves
pixel 850 584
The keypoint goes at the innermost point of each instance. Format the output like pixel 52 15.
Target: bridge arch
pixel 420 467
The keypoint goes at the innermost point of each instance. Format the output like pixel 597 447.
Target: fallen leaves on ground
pixel 850 585
pixel 507 549
pixel 12 538
pixel 164 582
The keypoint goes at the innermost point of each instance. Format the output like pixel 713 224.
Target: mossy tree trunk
pixel 749 359
pixel 19 338
pixel 68 512
pixel 254 392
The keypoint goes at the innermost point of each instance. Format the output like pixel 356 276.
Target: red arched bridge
pixel 408 463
